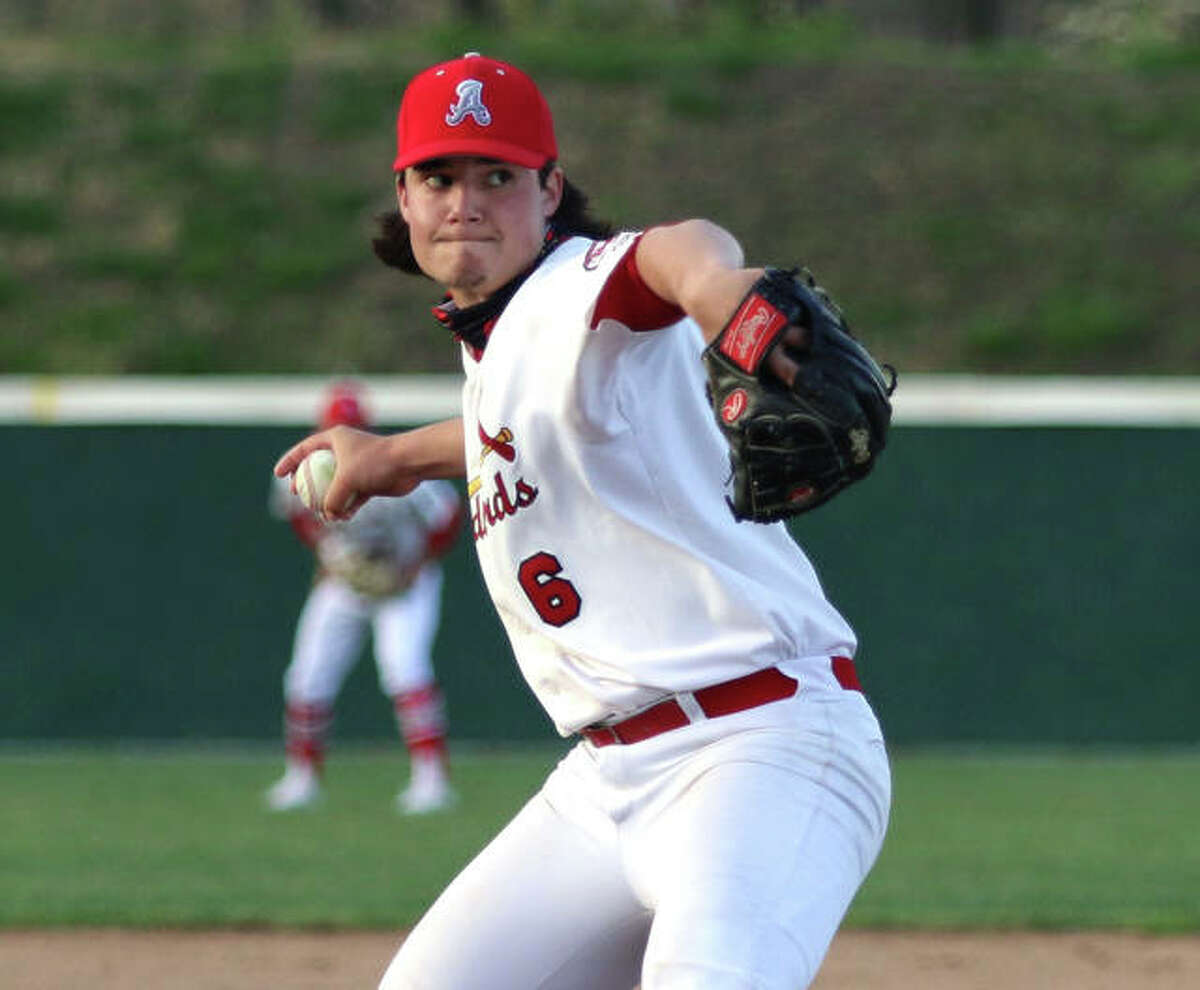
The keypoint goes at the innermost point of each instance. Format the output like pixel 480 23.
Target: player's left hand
pixel 803 405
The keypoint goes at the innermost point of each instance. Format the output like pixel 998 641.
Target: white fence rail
pixel 921 400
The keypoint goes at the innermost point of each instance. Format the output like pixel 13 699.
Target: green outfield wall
pixel 1011 584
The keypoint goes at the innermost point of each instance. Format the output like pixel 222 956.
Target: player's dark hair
pixel 393 247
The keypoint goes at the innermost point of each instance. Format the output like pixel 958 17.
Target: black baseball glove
pixel 794 448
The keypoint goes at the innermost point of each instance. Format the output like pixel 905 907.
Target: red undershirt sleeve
pixel 627 299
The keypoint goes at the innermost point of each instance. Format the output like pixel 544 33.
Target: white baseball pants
pixel 333 626
pixel 718 856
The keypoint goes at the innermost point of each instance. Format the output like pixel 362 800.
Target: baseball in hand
pixel 313 478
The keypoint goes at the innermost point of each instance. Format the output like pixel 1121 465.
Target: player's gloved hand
pixel 793 446
pixel 368 573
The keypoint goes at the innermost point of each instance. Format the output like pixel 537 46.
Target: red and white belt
pixel 738 695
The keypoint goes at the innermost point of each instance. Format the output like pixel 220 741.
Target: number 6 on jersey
pixel 554 598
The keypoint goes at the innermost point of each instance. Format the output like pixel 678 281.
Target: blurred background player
pixel 377 573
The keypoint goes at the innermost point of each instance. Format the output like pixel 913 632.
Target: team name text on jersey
pixel 489 511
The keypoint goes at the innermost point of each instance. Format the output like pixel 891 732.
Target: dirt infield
pixel 124 960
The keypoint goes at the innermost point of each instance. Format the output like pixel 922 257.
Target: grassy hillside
pixel 205 204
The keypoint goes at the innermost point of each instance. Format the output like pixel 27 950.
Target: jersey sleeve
pixel 627 299
pixel 444 519
pixel 284 505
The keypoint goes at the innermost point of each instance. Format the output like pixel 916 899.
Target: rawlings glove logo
pixel 734 405
pixel 751 332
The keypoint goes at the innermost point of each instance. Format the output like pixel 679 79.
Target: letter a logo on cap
pixel 475 107
pixel 470 104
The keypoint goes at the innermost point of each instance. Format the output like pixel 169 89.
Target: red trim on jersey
pixel 629 300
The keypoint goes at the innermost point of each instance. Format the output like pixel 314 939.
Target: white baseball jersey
pixel 596 477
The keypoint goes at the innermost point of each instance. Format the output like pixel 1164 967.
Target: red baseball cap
pixel 474 106
pixel 343 405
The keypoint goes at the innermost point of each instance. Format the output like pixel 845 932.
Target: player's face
pixel 474 223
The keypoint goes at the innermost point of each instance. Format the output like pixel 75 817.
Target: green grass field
pixel 179 838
